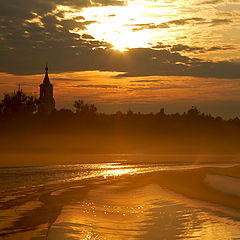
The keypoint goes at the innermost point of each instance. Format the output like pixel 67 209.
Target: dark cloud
pixel 216 22
pixel 135 62
pixel 112 15
pixel 87 36
pixel 192 49
pixel 211 2
pixel 88 3
pixel 161 45
pixel 25 46
pixel 185 21
pixel 181 47
pixel 179 22
pixel 168 24
pixel 69 80
pixel 147 81
pixel 97 86
pixel 220 48
pixel 108 2
pixel 157 87
pixel 139 27
pixel 186 48
pixel 174 64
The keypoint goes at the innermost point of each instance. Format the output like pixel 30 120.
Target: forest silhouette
pixel 85 130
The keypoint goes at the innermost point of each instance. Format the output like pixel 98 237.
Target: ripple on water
pixel 144 213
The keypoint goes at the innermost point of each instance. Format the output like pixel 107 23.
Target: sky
pixel 135 54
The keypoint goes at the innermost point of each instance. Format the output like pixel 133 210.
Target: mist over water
pixel 120 200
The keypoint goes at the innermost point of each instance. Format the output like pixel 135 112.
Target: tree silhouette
pixel 18 104
pixel 193 112
pixel 84 108
pixel 130 113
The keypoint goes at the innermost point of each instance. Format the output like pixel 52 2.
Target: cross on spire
pixel 46 79
pixel 46 68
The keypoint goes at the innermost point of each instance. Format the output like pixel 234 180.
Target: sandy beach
pixel 119 201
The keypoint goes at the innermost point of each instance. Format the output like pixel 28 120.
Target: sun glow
pixel 143 24
pixel 118 25
pixel 113 26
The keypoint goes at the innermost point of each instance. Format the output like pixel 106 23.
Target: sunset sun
pixel 123 27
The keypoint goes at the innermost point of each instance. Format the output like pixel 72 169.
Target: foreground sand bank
pixel 139 202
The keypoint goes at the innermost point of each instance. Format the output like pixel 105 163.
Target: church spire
pixel 46 78
pixel 46 100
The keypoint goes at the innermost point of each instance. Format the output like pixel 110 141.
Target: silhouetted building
pixel 46 100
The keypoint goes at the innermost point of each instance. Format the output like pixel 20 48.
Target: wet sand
pixel 170 204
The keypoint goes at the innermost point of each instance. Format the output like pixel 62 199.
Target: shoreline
pixel 50 158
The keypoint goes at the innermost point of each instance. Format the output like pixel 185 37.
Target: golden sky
pixel 139 54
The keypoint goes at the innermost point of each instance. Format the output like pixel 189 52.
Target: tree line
pixel 85 126
pixel 19 104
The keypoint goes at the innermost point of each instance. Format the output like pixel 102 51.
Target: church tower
pixel 46 101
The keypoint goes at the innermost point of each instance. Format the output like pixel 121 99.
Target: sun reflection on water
pixel 118 172
pixel 130 208
pixel 107 213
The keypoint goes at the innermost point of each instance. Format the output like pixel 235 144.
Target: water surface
pixel 120 200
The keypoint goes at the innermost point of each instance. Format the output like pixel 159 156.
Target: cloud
pixel 185 48
pixel 216 22
pixel 27 44
pixel 147 81
pixel 108 2
pixel 210 2
pixel 87 36
pixel 27 84
pixel 184 21
pixel 161 45
pixel 174 64
pixel 168 24
pixel 111 15
pixel 69 80
pixel 97 86
pixel 166 87
pixel 139 27
pixel 135 62
pixel 179 22
pixel 193 49
pixel 220 48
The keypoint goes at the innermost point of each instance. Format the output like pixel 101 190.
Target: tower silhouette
pixel 46 101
